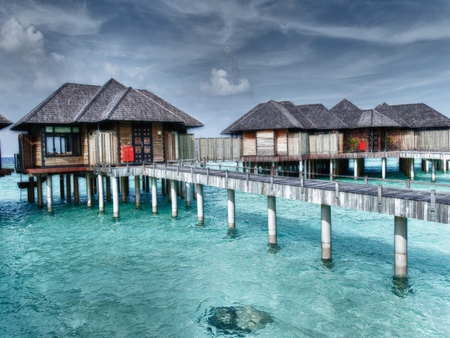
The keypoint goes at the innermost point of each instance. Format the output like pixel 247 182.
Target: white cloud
pixel 385 35
pixel 15 38
pixel 220 85
pixel 69 18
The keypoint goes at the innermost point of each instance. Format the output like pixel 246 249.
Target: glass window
pixel 62 141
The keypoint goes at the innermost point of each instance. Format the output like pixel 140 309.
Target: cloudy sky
pixel 217 59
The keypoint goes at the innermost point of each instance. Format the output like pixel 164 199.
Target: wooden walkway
pixel 407 203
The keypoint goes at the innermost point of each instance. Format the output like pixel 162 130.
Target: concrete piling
pixel 101 200
pixel 154 196
pixel 326 232
pixel 200 212
pixel 231 209
pixel 173 193
pixel 272 219
pixel 400 246
pixel 115 192
pixel 88 190
pixel 49 194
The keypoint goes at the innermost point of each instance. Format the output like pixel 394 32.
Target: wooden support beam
pixel 88 190
pixel 173 193
pixel 39 191
pixel 137 188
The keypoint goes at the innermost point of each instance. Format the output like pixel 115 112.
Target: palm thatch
pixel 4 121
pixel 78 103
pixel 344 115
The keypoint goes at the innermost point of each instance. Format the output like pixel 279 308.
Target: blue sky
pixel 218 59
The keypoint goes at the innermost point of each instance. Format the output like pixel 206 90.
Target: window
pixel 62 141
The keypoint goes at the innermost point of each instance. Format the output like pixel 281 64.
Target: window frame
pixel 66 139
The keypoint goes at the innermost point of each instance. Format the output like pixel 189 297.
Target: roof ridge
pixel 113 109
pixel 306 116
pixel 287 114
pixel 91 102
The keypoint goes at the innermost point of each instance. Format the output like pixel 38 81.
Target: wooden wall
pixel 249 143
pixel 265 143
pixel 281 145
pixel 218 149
pixel 158 142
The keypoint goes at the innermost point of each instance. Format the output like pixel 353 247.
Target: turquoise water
pixel 81 273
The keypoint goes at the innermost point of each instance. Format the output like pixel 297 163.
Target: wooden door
pixel 142 142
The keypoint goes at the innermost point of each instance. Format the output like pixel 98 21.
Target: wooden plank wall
pixel 281 137
pixel 249 143
pixel 324 143
pixel 102 147
pixel 265 143
pixel 158 142
pixel 432 139
pixel 186 146
pixel 218 149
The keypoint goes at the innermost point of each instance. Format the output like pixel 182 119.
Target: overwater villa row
pixel 113 131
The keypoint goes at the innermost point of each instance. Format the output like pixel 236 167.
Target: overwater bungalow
pixel 321 140
pixel 4 122
pixel 80 125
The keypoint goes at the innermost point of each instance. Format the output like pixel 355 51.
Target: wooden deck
pixel 408 203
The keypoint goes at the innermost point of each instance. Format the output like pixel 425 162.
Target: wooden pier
pixel 402 203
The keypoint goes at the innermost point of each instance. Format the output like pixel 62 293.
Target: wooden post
pixel 383 168
pixel 154 196
pixel 200 213
pixel 108 188
pixel 173 193
pixel 30 189
pixel 144 182
pixel 124 188
pixel 101 200
pixel 433 171
pixel 88 190
pixel 355 168
pixel 49 194
pixel 231 209
pixel 326 232
pixel 76 190
pixel 188 194
pixel 137 185
pixel 444 166
pixel 115 188
pixel 39 191
pixel 411 169
pixel 272 219
pixel 400 246
pixel 331 169
pixel 69 188
pixel 163 186
pixel 61 187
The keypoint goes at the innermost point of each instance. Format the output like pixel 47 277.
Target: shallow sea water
pixel 81 273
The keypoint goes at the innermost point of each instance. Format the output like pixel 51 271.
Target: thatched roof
pixel 344 115
pixel 347 112
pixel 78 103
pixel 4 121
pixel 373 119
pixel 321 117
pixel 419 115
